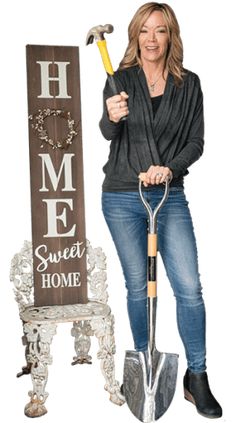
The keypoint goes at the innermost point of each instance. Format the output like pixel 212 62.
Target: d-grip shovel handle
pixel 152 213
pixel 152 236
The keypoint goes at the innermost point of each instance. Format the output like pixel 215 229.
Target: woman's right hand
pixel 117 106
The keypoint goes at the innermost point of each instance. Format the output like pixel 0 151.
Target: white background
pixel 207 28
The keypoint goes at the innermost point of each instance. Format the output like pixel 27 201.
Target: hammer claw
pixel 90 39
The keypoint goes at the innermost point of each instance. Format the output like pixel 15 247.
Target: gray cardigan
pixel 173 137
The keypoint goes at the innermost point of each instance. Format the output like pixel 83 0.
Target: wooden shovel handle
pixel 152 264
pixel 152 236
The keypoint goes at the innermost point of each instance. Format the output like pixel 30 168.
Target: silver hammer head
pixel 97 33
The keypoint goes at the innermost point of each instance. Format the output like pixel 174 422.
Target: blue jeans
pixel 126 218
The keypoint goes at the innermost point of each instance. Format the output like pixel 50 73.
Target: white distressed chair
pixel 40 324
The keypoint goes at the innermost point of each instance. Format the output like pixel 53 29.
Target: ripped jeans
pixel 126 218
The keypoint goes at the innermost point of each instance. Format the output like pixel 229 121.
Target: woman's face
pixel 153 39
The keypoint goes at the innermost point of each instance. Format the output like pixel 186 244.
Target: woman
pixel 162 135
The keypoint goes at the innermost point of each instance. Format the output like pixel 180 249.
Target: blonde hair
pixel 174 57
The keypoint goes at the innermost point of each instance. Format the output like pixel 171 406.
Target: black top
pixel 173 137
pixel 156 101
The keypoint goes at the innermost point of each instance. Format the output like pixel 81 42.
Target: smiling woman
pixel 153 48
pixel 162 137
pixel 158 21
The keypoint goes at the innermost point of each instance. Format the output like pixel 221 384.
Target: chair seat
pixel 65 313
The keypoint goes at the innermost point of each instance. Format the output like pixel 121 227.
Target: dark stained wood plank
pixel 57 189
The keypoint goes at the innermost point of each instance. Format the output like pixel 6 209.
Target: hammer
pixel 97 33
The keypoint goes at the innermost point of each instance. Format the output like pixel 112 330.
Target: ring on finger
pixel 159 175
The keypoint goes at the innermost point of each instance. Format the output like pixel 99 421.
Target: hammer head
pixel 97 33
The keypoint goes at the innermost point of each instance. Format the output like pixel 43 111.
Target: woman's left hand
pixel 157 175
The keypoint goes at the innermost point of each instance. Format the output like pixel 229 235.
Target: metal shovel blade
pixel 149 383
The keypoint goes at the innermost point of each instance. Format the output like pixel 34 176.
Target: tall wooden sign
pixel 56 171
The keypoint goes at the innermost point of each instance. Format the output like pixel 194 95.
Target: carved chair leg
pixel 82 331
pixel 104 330
pixel 25 370
pixel 39 338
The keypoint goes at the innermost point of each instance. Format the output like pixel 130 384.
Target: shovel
pixel 150 377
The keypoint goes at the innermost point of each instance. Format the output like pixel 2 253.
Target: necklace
pixel 152 85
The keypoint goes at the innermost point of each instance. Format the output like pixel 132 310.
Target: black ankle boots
pixel 197 391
